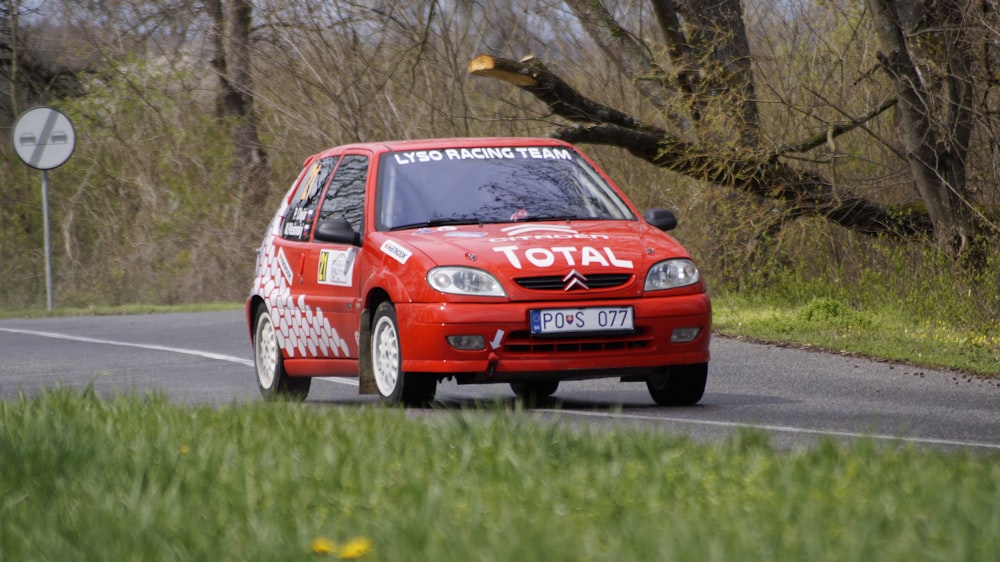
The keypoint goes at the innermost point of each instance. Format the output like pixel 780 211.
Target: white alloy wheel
pixel 272 380
pixel 385 353
pixel 266 352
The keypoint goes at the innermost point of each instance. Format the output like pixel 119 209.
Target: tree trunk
pixel 718 35
pixel 232 62
pixel 936 142
pixel 217 33
pixel 14 8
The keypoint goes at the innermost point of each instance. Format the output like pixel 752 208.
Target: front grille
pixel 522 342
pixel 556 282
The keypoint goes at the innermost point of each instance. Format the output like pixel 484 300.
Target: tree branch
pixel 532 76
pixel 835 131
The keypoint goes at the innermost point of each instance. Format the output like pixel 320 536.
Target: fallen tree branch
pixel 532 76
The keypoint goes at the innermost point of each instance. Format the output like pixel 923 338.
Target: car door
pixel 288 295
pixel 330 273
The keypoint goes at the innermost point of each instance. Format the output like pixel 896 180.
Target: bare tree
pixel 705 89
pixel 349 71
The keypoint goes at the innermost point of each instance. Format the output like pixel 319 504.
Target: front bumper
pixel 510 352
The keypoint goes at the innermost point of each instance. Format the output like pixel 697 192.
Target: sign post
pixel 44 139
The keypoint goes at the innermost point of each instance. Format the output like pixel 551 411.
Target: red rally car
pixel 490 260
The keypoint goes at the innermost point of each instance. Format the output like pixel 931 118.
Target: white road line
pixel 340 380
pixel 194 352
pixel 779 429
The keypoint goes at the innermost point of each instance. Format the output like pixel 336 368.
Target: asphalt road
pixel 796 396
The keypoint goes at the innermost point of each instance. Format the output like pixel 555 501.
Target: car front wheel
pixel 395 386
pixel 272 380
pixel 678 385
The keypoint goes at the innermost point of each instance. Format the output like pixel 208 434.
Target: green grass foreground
pixel 137 478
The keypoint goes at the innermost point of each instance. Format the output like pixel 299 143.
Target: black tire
pixel 272 380
pixel 395 386
pixel 535 392
pixel 678 385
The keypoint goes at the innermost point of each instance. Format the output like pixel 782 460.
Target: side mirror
pixel 661 218
pixel 337 231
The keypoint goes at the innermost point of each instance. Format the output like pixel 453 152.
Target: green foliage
pixel 868 296
pixel 831 312
pixel 135 478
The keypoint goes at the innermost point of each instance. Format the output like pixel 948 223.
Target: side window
pixel 346 197
pixel 302 208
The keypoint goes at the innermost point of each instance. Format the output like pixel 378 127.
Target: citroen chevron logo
pixel 574 279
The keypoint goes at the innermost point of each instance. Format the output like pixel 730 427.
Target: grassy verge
pixel 141 479
pixel 882 332
pixel 117 310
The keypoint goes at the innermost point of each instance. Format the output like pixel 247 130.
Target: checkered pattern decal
pixel 301 331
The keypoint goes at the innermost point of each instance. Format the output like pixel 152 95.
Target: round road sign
pixel 43 138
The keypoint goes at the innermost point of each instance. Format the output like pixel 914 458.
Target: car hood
pixel 546 248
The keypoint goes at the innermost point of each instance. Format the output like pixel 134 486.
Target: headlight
pixel 670 274
pixel 464 281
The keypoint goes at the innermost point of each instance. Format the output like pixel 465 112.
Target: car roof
pixel 439 143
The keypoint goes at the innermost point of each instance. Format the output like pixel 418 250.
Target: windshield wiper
pixel 439 222
pixel 542 218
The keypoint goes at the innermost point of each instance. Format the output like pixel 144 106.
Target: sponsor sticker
pixel 395 251
pixel 286 269
pixel 527 232
pixel 336 267
pixel 560 256
pixel 484 153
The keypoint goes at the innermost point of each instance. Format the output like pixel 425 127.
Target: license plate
pixel 570 320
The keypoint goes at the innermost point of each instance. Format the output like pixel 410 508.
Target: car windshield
pixel 491 185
